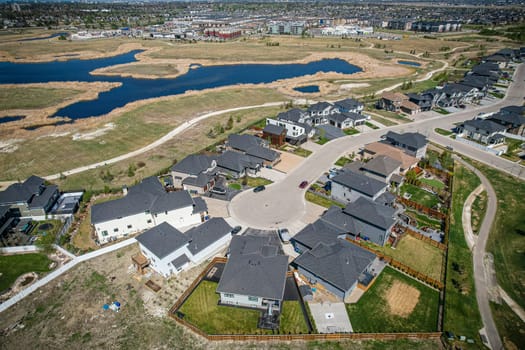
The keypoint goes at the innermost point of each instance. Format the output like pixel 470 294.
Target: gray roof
pixel 180 261
pixel 386 198
pixel 236 161
pixel 293 115
pixel 453 88
pixel 508 118
pixel 371 212
pixel 255 275
pixel 264 153
pixel 206 234
pixel 513 110
pixel 199 206
pixel 200 180
pixel 162 240
pixel 274 129
pixel 411 139
pixel 250 244
pixel 194 164
pixel 359 182
pixel 319 106
pixel 43 198
pixel 339 263
pixel 330 132
pixel 382 165
pixel 341 117
pixel 147 195
pixel 485 125
pixel 318 231
pixel 336 218
pixel 22 192
pixel 348 104
pixel 244 142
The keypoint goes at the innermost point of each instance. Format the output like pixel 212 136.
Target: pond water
pixel 133 89
pixel 410 63
pixel 9 118
pixel 307 89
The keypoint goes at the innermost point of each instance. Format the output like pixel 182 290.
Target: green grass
pixel 479 208
pixel 351 131
pixel 302 152
pixel 433 182
pixel 33 97
pixel 322 140
pixel 372 312
pixel 384 121
pixel 393 115
pixel 235 186
pixel 201 309
pixel 12 266
pixel 322 201
pixel 497 94
pixel 443 132
pixel 441 110
pixel 423 220
pixel 372 126
pixel 461 314
pixel 510 326
pixel 258 181
pixel 343 161
pixel 420 196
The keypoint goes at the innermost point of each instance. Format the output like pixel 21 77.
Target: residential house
pixel 409 108
pixel 512 118
pixel 255 147
pixel 144 206
pixel 275 134
pixel 412 143
pixel 168 251
pixel 337 266
pixel 363 218
pixel 255 274
pixel 296 122
pixel 312 234
pixel 484 131
pixel 237 165
pixel 195 173
pixel 320 111
pixel 381 168
pixel 458 94
pixel 392 101
pixel 349 105
pixel 346 120
pixel 350 185
pixel 423 100
pixel 375 149
pixel 31 199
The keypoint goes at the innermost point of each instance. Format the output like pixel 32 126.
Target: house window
pixel 166 212
pixel 149 221
pixel 104 233
pixel 129 226
pixel 115 230
pixel 227 295
pixel 253 298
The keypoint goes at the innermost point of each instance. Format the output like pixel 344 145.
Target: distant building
pixel 291 28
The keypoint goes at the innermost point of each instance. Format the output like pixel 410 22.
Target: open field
pixel 128 131
pixel 13 266
pixel 33 97
pixel 428 259
pixel 395 303
pixel 160 70
pixel 511 328
pixel 461 308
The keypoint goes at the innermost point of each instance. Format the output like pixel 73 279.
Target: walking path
pixel 64 268
pixel 466 217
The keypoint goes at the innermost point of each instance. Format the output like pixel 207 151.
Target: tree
pixel 238 119
pixel 229 124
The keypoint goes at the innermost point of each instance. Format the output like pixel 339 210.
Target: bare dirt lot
pixel 402 299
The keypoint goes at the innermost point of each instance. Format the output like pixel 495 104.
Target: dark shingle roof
pixel 235 161
pixel 339 263
pixel 244 142
pixel 206 234
pixel 294 115
pixel 193 164
pixel 485 125
pixel 263 153
pixel 274 129
pixel 43 198
pixel 382 165
pixel 170 201
pixel 359 182
pixel 411 139
pixel 348 104
pixel 336 218
pixel 371 212
pixel 319 107
pixel 22 192
pixel 199 181
pixel 180 261
pixel 162 240
pixel 318 231
pixel 508 117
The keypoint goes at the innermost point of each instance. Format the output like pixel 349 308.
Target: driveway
pixel 288 162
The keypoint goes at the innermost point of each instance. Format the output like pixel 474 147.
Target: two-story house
pixel 412 143
pixel 195 173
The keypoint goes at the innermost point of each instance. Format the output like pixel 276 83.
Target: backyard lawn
pixel 420 196
pixel 12 266
pixel 428 259
pixel 395 303
pixel 423 220
pixel 433 182
pixel 201 309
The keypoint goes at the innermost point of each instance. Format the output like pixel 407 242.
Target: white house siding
pixel 177 178
pixel 210 250
pixel 193 189
pixel 123 226
pixel 292 130
pixel 163 266
pixel 421 152
pixel 242 300
pixel 178 218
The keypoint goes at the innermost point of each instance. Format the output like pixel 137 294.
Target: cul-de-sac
pixel 262 175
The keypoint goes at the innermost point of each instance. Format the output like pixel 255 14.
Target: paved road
pixel 478 255
pixel 283 203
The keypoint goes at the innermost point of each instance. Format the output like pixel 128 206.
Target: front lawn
pixel 420 196
pixel 371 126
pixel 202 310
pixel 343 161
pixel 258 181
pixel 443 132
pixel 322 201
pixel 381 310
pixel 301 152
pixel 234 186
pixel 13 266
pixel 351 131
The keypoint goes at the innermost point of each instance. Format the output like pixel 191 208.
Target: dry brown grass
pixel 402 299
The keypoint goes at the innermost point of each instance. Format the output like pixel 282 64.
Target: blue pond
pixel 11 118
pixel 307 89
pixel 409 63
pixel 133 89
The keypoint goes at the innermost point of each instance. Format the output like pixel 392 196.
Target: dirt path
pixel 466 217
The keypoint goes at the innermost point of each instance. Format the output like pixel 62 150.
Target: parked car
pixel 284 235
pixel 218 190
pixel 236 230
pixel 259 188
pixel 303 184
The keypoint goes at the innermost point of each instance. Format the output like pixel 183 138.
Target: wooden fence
pixel 402 267
pixel 426 239
pixel 426 210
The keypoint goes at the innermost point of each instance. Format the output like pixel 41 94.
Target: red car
pixel 303 184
